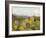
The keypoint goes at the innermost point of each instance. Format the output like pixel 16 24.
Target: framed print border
pixel 7 18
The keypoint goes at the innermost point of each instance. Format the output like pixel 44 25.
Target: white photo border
pixel 25 32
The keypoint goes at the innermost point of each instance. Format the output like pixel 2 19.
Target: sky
pixel 26 11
